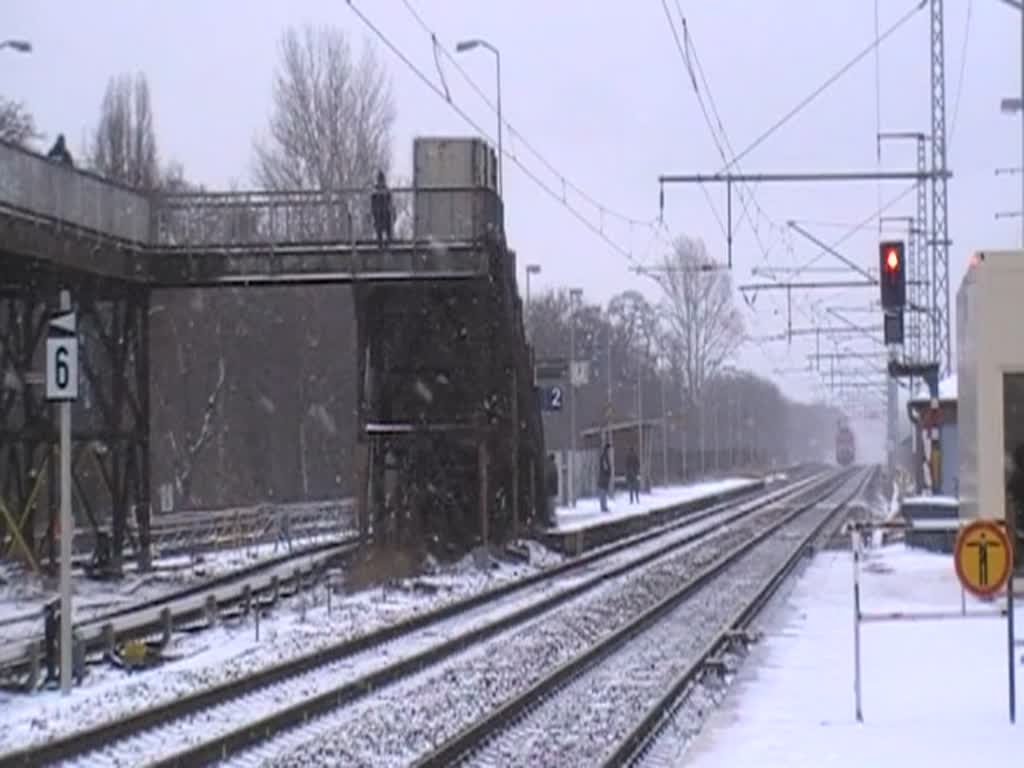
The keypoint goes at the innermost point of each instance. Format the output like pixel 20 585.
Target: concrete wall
pixel 988 345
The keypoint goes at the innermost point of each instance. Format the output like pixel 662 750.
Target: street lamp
pixel 575 295
pixel 21 46
pixel 1017 104
pixel 531 269
pixel 469 45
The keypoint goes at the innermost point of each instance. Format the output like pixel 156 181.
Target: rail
pixel 178 611
pixel 246 734
pixel 457 749
pixel 192 532
pixel 659 717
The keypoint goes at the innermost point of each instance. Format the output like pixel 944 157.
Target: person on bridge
pixel 382 210
pixel 59 152
pixel 633 475
pixel 604 475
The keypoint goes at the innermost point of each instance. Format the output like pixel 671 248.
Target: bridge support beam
pixel 444 391
pixel 110 436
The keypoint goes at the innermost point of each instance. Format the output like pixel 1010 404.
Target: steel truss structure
pixel 110 448
pixel 445 385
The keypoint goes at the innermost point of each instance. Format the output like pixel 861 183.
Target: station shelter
pixel 625 436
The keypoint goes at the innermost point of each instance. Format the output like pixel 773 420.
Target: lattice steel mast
pixel 941 350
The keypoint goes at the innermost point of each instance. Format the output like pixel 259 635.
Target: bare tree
pixel 124 146
pixel 705 328
pixel 330 128
pixel 17 125
pixel 333 117
pixel 185 456
pixel 637 322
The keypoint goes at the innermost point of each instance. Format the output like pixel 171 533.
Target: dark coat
pixel 551 477
pixel 632 466
pixel 604 471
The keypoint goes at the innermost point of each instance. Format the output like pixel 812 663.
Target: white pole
pixel 66 532
pixel 855 546
pixel 572 399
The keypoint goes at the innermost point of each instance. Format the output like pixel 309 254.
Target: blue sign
pixel 553 397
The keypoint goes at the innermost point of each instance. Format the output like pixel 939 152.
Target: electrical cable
pixel 477 127
pixel 513 132
pixel 825 85
pixel 684 52
pixel 963 69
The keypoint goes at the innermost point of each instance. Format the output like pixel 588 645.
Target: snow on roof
pixel 947 391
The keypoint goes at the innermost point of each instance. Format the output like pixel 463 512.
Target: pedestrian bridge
pixel 57 218
pixel 439 303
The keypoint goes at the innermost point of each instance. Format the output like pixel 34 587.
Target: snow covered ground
pixel 23 595
pixel 232 651
pixel 934 692
pixel 588 511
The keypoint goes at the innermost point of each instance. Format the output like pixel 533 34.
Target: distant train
pixel 846 451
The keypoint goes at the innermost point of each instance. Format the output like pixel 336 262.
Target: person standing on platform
pixel 604 476
pixel 551 486
pixel 633 476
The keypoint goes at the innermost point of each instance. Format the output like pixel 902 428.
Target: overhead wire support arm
pixel 829 249
pixel 774 178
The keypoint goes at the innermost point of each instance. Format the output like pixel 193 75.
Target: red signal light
pixel 892 260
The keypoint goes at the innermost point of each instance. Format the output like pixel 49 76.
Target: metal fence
pixel 294 218
pixel 36 185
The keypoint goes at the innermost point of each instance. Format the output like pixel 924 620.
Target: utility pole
pixel 664 428
pixel 608 411
pixel 574 296
pixel 531 269
pixel 640 417
pixel 941 344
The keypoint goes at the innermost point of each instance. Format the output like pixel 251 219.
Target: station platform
pixel 935 693
pixel 586 526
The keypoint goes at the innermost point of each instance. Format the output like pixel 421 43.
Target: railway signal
pixel 892 275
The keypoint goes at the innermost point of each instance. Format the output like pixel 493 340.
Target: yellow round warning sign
pixel 982 557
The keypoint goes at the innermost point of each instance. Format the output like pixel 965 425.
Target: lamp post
pixel 468 45
pixel 1017 104
pixel 531 269
pixel 21 46
pixel 574 295
pixel 662 375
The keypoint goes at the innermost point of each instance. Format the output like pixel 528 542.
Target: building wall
pixel 989 345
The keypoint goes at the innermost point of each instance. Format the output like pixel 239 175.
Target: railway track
pixel 244 712
pixel 579 709
pixel 199 602
pixel 584 712
pixel 659 739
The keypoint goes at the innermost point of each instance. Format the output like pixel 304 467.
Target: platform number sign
pixel 553 397
pixel 62 358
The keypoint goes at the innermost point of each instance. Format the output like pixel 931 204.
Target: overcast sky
pixel 601 90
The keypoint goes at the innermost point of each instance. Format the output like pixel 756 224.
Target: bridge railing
pixel 37 186
pixel 294 218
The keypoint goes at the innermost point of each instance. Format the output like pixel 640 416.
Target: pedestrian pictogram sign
pixel 982 557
